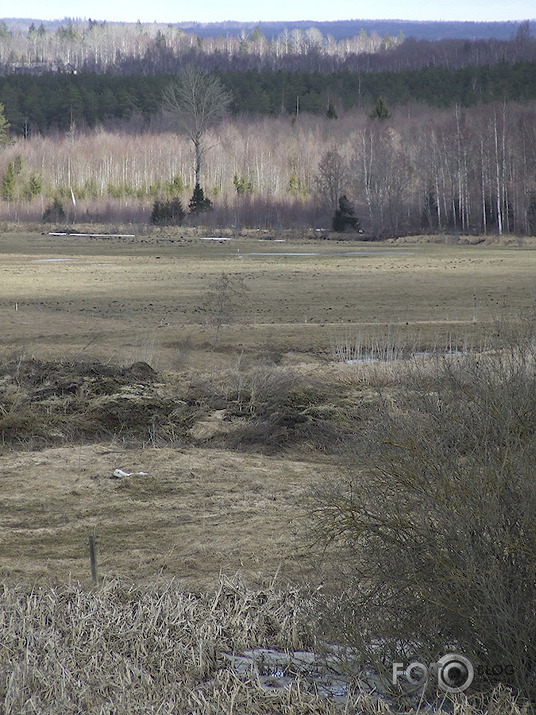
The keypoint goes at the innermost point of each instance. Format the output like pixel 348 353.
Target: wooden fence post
pixel 92 557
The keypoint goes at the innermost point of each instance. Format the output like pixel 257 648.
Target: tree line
pixel 123 48
pixel 56 101
pixel 421 170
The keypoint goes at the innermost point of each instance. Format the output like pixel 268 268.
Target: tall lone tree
pixel 193 103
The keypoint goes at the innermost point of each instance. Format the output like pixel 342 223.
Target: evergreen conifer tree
pixel 199 202
pixel 167 212
pixel 331 112
pixel 54 212
pixel 4 126
pixel 7 185
pixel 380 110
pixel 344 217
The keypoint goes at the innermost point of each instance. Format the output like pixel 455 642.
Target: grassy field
pixel 203 508
pixel 222 444
pixel 121 299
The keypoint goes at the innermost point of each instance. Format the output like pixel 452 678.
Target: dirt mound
pixel 43 403
pixel 44 379
pixel 262 409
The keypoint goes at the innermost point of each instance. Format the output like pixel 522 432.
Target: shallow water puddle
pixel 318 253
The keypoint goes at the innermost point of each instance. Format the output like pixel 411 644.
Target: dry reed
pixel 119 648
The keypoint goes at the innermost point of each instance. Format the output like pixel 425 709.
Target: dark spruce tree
pixel 199 202
pixel 167 212
pixel 331 112
pixel 380 110
pixel 54 212
pixel 344 217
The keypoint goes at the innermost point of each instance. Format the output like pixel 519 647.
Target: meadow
pixel 109 362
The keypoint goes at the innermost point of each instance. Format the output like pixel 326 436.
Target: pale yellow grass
pixel 129 299
pixel 195 514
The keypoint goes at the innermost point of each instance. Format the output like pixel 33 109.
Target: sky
pixel 284 10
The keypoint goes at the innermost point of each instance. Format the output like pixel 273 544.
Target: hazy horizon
pixel 167 11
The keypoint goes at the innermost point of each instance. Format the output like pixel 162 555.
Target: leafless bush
pixel 278 406
pixel 271 406
pixel 223 300
pixel 434 525
pixel 183 349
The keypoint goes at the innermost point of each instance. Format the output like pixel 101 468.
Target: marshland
pixel 243 433
pixel 267 382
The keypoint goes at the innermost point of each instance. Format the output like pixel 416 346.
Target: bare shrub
pixel 183 349
pixel 223 300
pixel 275 402
pixel 271 407
pixel 434 523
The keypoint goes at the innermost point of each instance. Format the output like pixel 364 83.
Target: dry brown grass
pixel 210 502
pixel 118 297
pixel 122 649
pixel 120 300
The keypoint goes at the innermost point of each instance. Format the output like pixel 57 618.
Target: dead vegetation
pixel 121 649
pixel 221 446
pixel 46 403
pixel 43 403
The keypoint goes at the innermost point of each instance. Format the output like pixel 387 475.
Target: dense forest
pixel 420 135
pixel 421 170
pixel 53 101
pixel 338 29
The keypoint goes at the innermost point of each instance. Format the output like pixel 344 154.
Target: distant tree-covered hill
pixel 339 30
pixel 88 72
pixel 123 48
pixel 56 101
pixel 343 29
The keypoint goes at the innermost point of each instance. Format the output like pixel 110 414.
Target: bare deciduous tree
pixel 223 299
pixel 196 101
pixel 332 178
